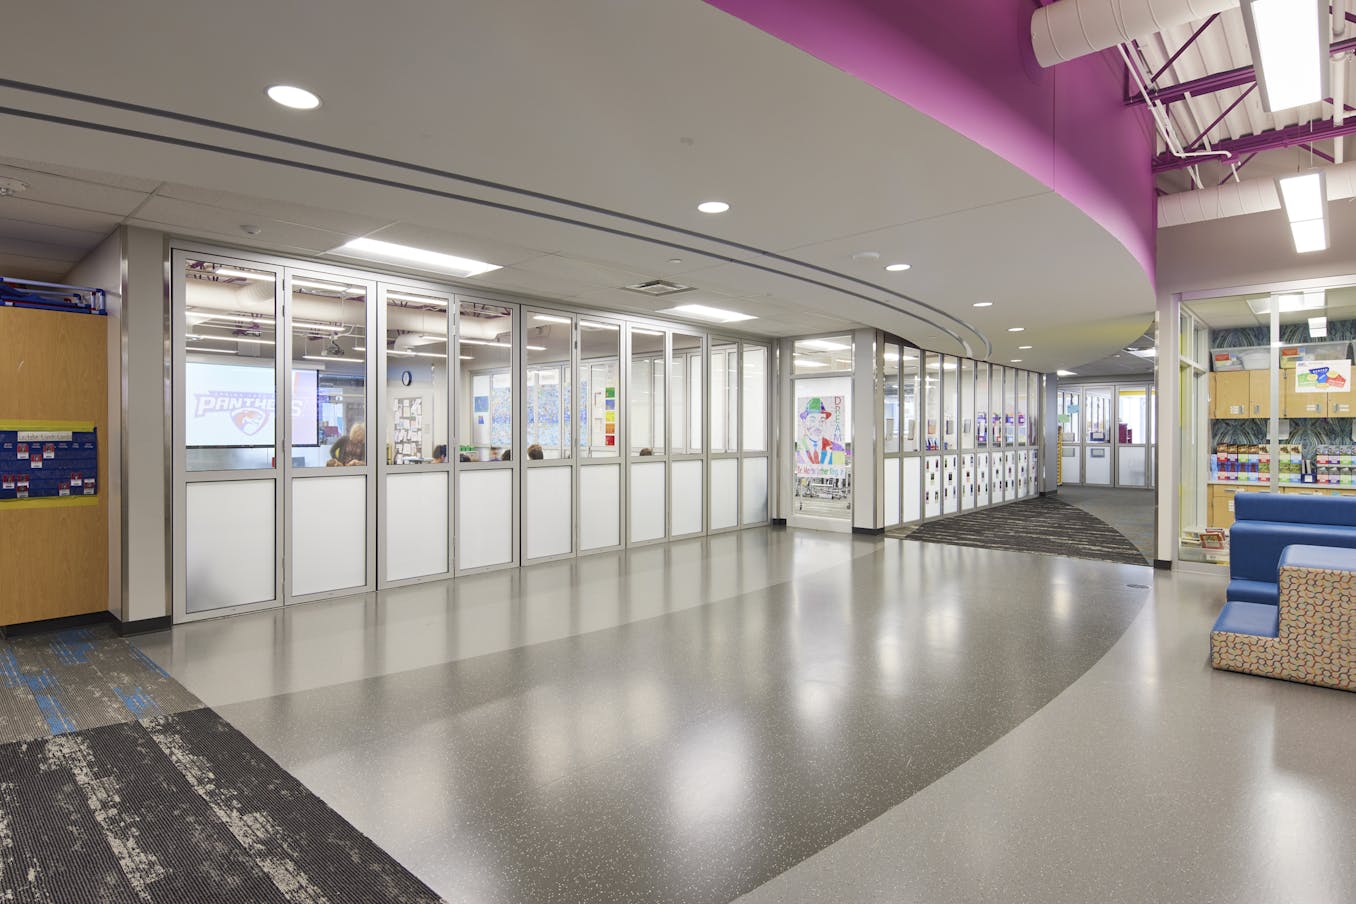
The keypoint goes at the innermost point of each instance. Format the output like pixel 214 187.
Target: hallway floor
pixel 1129 511
pixel 797 716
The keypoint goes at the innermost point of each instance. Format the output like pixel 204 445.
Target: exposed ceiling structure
pixel 568 143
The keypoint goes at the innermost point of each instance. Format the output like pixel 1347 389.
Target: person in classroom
pixel 439 454
pixel 349 449
pixel 507 456
pixel 646 451
pixel 534 452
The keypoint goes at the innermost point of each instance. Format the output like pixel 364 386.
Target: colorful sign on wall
pixel 820 449
pixel 1323 376
pixel 47 464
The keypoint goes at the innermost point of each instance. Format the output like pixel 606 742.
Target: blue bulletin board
pixel 48 463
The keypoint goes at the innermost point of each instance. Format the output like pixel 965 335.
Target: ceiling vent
pixel 658 287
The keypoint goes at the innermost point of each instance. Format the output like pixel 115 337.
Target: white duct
pixel 1069 29
pixel 1234 199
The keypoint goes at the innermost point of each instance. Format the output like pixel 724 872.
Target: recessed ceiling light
pixel 983 304
pixel 896 268
pixel 1289 44
pixel 390 252
pixel 1015 329
pixel 675 260
pixel 1065 373
pixel 704 312
pixel 713 207
pixel 1022 348
pixel 294 97
pixel 1014 360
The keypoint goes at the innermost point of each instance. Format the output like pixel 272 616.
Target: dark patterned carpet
pixel 160 802
pixel 1042 524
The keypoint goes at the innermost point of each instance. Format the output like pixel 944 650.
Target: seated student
pixel 507 456
pixel 464 457
pixel 646 451
pixel 494 453
pixel 350 449
pixel 534 452
pixel 439 454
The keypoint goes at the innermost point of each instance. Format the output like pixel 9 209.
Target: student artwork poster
pixel 820 449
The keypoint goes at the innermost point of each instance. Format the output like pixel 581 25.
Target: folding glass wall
pixel 822 408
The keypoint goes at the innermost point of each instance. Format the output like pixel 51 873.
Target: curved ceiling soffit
pixel 950 325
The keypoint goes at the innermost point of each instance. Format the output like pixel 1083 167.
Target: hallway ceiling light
pixel 1065 373
pixel 293 97
pixel 1014 360
pixel 327 287
pixel 982 304
pixel 1016 329
pixel 308 327
pixel 637 331
pixel 1289 43
pixel 390 252
pixel 242 274
pixel 417 299
pixel 823 345
pixel 467 357
pixel 611 327
pixel 704 312
pixel 213 351
pixel 1022 348
pixel 807 362
pixel 465 341
pixel 535 348
pixel 1143 352
pixel 898 268
pixel 238 318
pixel 1305 197
pixel 550 318
pixel 713 207
pixel 1312 300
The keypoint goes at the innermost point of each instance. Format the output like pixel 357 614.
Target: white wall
pixel 102 269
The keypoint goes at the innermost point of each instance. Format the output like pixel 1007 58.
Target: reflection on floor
pixel 823 507
pixel 1130 511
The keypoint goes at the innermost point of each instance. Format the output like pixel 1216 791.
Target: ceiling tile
pixel 80 193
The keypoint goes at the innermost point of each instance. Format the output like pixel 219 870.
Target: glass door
pixel 1134 421
pixel 822 437
pixel 1099 448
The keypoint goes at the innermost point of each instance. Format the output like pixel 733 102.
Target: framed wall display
pixel 48 463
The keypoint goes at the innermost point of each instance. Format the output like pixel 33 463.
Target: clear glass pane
pixel 1009 407
pixel 230 389
pixel 329 372
pixel 646 390
pixel 967 393
pixel 416 377
pixel 983 408
pixel 908 398
pixel 1097 399
pixel 890 382
pixel 950 381
pixel 484 359
pixel 823 446
pixel 932 393
pixel 599 354
pixel 1033 407
pixel 546 432
pixel 724 396
pixel 1021 407
pixel 1133 415
pixel 685 394
pixel 755 398
pixel 820 356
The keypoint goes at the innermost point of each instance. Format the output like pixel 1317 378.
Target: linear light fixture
pixel 332 358
pixel 1289 42
pixel 1312 300
pixel 418 299
pixel 1305 197
pixel 308 326
pixel 232 338
pixel 550 318
pixel 705 312
pixel 243 274
pixel 390 252
pixel 211 351
pixel 465 341
pixel 807 362
pixel 327 286
pixel 234 318
pixel 639 331
pixel 823 345
pixel 1065 373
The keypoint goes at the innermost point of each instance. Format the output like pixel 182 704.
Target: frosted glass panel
pixel 1072 469
pixel 485 518
pixel 599 506
pixel 913 493
pixel 416 525
pixel 754 490
pixel 229 537
pixel 891 492
pixel 548 520
pixel 329 534
pixel 1130 470
pixel 687 497
pixel 724 493
pixel 647 501
pixel 1098 465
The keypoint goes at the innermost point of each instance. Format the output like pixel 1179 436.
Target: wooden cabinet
pixel 1341 404
pixel 1259 393
pixel 1220 500
pixel 1229 394
pixel 1300 404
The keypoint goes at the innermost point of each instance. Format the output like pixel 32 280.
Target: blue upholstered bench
pixel 1269 522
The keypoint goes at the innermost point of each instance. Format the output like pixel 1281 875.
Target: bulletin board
pixel 47 463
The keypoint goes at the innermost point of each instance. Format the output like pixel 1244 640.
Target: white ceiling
pixel 620 116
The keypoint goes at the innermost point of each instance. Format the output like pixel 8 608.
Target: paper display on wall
pixel 820 450
pixel 1323 376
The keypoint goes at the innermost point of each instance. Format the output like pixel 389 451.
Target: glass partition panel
pixel 1069 415
pixel 1097 400
pixel 416 377
pixel 685 395
pixel 1009 407
pixel 890 415
pixel 646 391
pixel 950 380
pixel 932 392
pixel 967 394
pixel 1132 413
pixel 755 398
pixel 230 387
pixel 1022 389
pixel 908 399
pixel 724 396
pixel 599 357
pixel 329 373
pixel 546 383
pixel 983 407
pixel 820 356
pixel 1033 407
pixel 485 385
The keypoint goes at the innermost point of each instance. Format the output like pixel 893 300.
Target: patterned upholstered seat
pixel 1312 639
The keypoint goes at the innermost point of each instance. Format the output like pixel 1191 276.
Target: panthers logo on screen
pixel 249 421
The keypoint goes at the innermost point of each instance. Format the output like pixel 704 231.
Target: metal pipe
pixel 1219 81
pixel 1274 139
pixel 1232 199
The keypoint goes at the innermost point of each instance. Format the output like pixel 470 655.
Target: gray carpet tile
pixel 1042 524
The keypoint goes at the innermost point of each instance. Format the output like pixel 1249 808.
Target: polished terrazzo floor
pixel 800 717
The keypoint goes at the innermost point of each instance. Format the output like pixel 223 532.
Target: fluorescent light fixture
pixel 897 268
pixel 1022 348
pixel 1014 360
pixel 212 351
pixel 599 326
pixel 1312 300
pixel 327 286
pixel 806 362
pixel 467 357
pixel 982 304
pixel 464 341
pixel 243 274
pixel 390 252
pixel 293 97
pixel 1310 235
pixel 1318 327
pixel 823 345
pixel 428 354
pixel 535 348
pixel 713 207
pixel 1016 329
pixel 204 336
pixel 434 338
pixel 550 318
pixel 704 312
pixel 1289 43
pixel 637 331
pixel 309 327
pixel 235 318
pixel 1305 197
pixel 417 299
pixel 1065 373
pixel 1143 352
